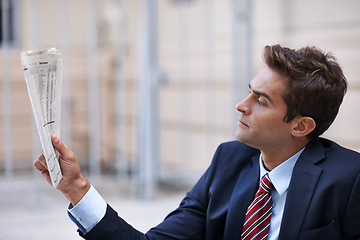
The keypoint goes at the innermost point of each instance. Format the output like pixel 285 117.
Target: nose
pixel 243 106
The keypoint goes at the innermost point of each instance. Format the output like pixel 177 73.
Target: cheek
pixel 280 128
pixel 271 123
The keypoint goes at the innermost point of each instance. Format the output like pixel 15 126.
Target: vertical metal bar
pixel 66 90
pixel 249 41
pixel 184 82
pixel 235 60
pixel 154 94
pixel 209 68
pixel 148 101
pixel 7 90
pixel 121 103
pixel 241 51
pixel 93 91
pixel 34 24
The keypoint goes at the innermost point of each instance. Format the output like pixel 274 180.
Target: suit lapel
pixel 243 194
pixel 301 189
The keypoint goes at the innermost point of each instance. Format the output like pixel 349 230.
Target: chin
pixel 243 139
pixel 239 134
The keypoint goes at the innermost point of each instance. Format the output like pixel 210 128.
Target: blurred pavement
pixel 31 210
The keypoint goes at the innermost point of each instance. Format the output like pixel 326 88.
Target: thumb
pixel 59 145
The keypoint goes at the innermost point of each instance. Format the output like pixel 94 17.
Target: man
pixel 313 184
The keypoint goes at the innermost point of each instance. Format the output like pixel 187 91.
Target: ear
pixel 302 126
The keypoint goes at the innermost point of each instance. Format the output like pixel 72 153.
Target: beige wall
pixel 205 107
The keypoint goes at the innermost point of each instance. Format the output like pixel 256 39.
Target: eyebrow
pixel 260 93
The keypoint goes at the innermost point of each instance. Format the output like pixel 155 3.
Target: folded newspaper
pixel 42 70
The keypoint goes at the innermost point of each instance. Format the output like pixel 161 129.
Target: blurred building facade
pixel 206 52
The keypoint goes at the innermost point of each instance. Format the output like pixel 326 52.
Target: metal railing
pixel 150 75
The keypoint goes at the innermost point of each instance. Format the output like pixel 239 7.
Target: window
pixel 7 22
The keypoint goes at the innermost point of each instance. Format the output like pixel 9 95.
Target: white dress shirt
pixel 89 211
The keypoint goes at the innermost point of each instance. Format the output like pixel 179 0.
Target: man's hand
pixel 73 184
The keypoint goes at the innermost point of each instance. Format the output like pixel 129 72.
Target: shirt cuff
pixel 89 211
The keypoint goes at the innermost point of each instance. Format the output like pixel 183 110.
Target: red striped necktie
pixel 258 215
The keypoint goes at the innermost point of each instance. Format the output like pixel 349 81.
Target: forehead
pixel 270 82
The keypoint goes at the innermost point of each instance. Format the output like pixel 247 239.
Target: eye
pixel 260 100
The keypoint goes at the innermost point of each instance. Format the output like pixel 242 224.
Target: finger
pixel 39 166
pixel 42 160
pixel 43 170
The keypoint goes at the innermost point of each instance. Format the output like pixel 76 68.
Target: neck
pixel 274 157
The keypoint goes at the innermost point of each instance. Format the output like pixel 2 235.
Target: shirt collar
pixel 281 175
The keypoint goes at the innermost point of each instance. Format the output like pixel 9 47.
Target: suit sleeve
pixel 112 227
pixel 188 221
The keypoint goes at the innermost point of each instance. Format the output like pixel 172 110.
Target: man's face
pixel 261 122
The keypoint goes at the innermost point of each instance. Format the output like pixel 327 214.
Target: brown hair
pixel 316 83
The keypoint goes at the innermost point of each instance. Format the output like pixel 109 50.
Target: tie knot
pixel 265 184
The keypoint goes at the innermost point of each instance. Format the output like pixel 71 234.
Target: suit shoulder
pixel 235 150
pixel 339 157
pixel 237 146
pixel 334 147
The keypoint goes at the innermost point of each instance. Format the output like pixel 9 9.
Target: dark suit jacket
pixel 323 200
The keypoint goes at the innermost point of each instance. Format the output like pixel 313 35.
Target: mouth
pixel 241 123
